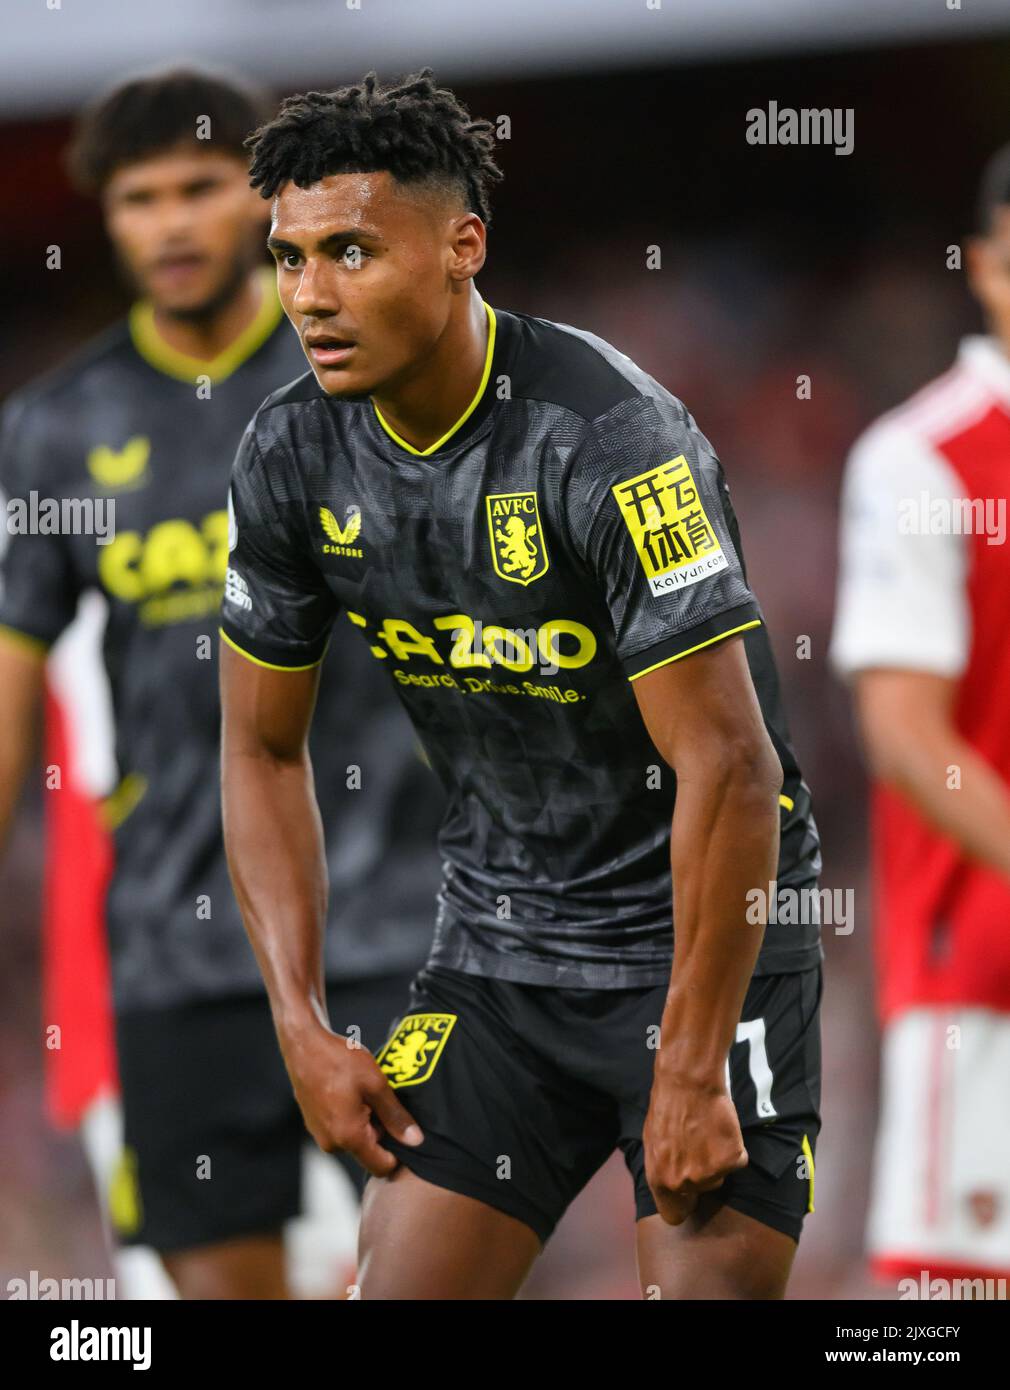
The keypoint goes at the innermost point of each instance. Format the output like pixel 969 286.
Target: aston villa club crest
pixel 411 1053
pixel 518 548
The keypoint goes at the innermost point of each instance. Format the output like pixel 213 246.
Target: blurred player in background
pixel 549 567
pixel 923 632
pixel 211 1168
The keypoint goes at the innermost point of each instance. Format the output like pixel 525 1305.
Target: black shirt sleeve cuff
pixel 275 658
pixel 739 619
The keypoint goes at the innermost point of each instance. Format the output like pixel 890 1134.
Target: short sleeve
pixel 277 609
pixel 39 582
pixel 648 509
pixel 902 599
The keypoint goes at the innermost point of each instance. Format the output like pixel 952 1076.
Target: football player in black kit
pixel 546 563
pixel 149 416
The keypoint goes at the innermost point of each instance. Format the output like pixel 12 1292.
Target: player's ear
pixel 468 246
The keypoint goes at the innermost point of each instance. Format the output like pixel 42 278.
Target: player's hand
pixel 692 1143
pixel 345 1099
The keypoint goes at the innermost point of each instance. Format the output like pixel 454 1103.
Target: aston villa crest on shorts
pixel 411 1053
pixel 518 549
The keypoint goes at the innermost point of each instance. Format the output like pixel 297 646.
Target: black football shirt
pixel 133 422
pixel 571 533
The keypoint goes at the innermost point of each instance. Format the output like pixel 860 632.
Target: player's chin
pixel 189 288
pixel 342 382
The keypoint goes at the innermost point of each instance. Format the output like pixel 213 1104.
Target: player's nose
pixel 316 293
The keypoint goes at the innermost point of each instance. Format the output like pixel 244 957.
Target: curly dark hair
pixel 416 131
pixel 153 111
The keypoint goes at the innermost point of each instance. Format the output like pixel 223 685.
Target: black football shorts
pixel 213 1136
pixel 524 1091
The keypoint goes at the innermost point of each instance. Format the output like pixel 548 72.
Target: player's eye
pixel 288 259
pixel 202 187
pixel 352 256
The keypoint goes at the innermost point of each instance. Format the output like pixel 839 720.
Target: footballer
pixel 536 544
pixel 211 1170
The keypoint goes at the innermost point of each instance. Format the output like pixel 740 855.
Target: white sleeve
pixel 902 598
pixel 78 681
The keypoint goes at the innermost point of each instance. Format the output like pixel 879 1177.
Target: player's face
pixel 186 226
pixel 366 272
pixel 989 273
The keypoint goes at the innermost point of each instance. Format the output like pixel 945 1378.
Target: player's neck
pixel 205 339
pixel 427 406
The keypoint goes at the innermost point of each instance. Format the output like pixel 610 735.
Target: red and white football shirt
pixel 917 591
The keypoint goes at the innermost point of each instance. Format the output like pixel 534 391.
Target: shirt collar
pixel 149 343
pixel 497 358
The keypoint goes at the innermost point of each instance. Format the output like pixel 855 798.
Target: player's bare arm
pixel 703 716
pixel 274 842
pixel 21 673
pixel 913 745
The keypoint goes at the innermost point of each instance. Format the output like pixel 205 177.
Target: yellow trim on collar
pixel 423 453
pixel 153 348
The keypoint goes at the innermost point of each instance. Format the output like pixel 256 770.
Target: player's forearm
pixel 724 844
pixel 951 786
pixel 21 677
pixel 13 768
pixel 274 842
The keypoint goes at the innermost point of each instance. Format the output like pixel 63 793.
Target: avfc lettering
pixel 410 1055
pixel 518 550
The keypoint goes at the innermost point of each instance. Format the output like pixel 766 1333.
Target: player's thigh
pixel 717 1253
pixel 252 1267
pixel 420 1241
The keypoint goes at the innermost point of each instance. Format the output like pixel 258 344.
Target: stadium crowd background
pixel 776 263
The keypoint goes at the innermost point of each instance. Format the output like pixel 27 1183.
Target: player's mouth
pixel 176 270
pixel 329 351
